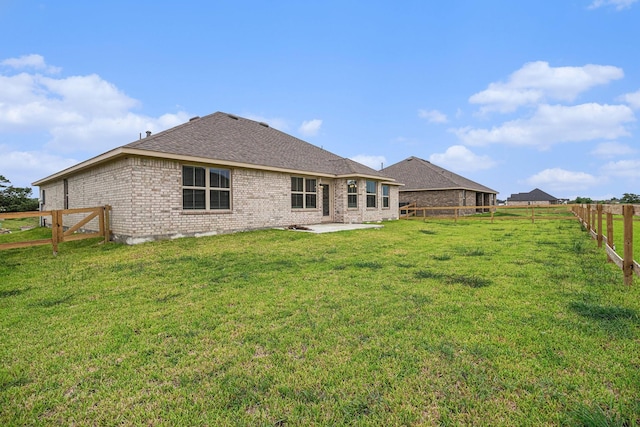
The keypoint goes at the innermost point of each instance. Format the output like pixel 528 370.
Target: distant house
pixel 429 185
pixel 218 174
pixel 534 197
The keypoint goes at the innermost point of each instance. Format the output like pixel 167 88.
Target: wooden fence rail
pixel 61 233
pixel 529 212
pixel 591 217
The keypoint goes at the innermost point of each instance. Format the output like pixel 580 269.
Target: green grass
pixel 15 224
pixel 618 234
pixel 417 323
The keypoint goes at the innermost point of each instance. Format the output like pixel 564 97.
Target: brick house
pixel 533 197
pixel 429 185
pixel 219 174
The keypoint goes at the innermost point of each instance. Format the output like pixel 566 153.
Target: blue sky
pixel 512 94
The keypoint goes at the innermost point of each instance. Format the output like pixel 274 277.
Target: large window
pixel 371 194
pixel 352 193
pixel 206 188
pixel 385 196
pixel 303 193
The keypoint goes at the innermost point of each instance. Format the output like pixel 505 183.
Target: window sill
pixel 206 212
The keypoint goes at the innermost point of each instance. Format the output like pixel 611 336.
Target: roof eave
pixel 124 151
pixel 452 188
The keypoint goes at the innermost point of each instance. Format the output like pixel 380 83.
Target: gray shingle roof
pixel 419 174
pixel 535 195
pixel 226 137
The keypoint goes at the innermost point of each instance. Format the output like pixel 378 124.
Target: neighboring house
pixel 219 174
pixel 534 197
pixel 429 185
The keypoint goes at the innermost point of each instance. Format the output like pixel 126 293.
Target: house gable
pixel 417 174
pixel 534 196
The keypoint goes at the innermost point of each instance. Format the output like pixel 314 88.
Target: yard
pixel 417 323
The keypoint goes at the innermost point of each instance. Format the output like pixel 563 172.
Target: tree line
pixel 627 198
pixel 16 199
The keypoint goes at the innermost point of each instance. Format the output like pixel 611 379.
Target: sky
pixel 514 95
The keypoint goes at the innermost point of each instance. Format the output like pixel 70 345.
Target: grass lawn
pixel 467 323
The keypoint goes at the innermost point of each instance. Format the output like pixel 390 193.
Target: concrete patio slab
pixel 333 227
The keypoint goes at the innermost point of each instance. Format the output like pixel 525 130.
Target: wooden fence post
pixel 532 213
pixel 599 211
pixel 587 216
pixel 627 259
pixel 610 234
pixel 56 230
pixel 107 223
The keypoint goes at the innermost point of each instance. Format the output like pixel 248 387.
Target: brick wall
pixel 347 215
pixel 443 198
pixel 146 199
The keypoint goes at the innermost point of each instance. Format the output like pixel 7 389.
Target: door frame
pixel 327 195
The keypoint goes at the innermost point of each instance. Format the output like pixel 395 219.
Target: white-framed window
pixel 385 196
pixel 352 193
pixel 372 194
pixel 304 193
pixel 206 188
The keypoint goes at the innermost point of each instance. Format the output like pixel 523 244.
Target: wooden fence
pixel 591 217
pixel 61 233
pixel 489 213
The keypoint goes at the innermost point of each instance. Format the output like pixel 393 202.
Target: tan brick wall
pixel 443 198
pixel 526 203
pixel 347 215
pixel 146 199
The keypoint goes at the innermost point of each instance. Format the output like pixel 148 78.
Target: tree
pixel 630 198
pixel 15 199
pixel 583 200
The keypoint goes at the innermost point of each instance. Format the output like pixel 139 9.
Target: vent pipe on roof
pixel 232 116
pixel 263 124
pixel 194 118
pixel 148 133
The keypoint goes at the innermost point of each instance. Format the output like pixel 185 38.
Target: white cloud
pixel 460 158
pixel 310 127
pixel 433 116
pixel 552 124
pixel 79 114
pixel 374 162
pixel 537 82
pixel 633 99
pixel 21 166
pixel 31 61
pixel 612 149
pixel 618 4
pixel 623 169
pixel 557 179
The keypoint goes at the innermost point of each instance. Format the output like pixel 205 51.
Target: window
pixel 303 193
pixel 352 193
pixel 385 196
pixel 65 189
pixel 371 194
pixel 206 188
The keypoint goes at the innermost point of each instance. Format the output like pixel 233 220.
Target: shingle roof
pixel 419 174
pixel 535 195
pixel 226 137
